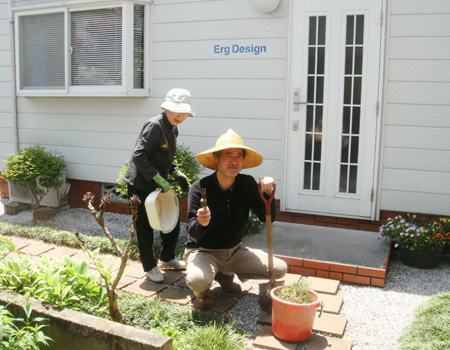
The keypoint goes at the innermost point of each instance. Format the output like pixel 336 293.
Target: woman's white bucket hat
pixel 162 210
pixel 179 101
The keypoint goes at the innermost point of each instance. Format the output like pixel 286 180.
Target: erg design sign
pixel 235 49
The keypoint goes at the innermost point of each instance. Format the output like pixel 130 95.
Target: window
pixel 74 51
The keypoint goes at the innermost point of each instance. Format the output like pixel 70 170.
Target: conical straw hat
pixel 229 140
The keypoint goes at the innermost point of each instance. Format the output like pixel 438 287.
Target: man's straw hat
pixel 229 140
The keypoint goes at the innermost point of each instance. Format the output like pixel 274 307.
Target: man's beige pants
pixel 203 264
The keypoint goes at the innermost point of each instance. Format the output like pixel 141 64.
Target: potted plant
pixel 420 243
pixel 293 311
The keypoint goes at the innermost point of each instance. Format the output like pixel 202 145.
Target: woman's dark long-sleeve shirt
pixel 154 152
pixel 229 212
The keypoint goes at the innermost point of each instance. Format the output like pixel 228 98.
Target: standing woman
pixel 150 165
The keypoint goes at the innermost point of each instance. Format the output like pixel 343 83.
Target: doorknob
pixel 296 99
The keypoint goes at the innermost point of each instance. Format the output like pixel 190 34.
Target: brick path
pixel 328 330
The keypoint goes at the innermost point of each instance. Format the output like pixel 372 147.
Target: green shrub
pixel 37 171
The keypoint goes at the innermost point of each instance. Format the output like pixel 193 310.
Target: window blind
pixel 96 47
pixel 138 47
pixel 41 52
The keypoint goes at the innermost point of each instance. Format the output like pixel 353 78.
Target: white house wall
pixel 416 150
pixel 242 91
pixel 6 102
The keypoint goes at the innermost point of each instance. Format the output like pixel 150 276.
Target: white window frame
pixel 126 88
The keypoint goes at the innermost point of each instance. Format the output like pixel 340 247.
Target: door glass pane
pixel 351 117
pixel 314 109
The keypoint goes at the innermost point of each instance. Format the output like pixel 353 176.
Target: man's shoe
pixel 155 275
pixel 227 284
pixel 173 264
pixel 204 301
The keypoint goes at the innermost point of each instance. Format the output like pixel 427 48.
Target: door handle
pixel 296 99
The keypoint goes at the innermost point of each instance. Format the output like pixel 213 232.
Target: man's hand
pixel 266 184
pixel 204 216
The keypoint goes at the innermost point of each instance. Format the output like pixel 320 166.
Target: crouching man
pixel 214 250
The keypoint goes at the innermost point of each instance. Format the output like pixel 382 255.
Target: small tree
pixel 37 171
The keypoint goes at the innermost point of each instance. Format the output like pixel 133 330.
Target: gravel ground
pixel 376 316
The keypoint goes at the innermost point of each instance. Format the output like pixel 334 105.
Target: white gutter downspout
pixel 13 81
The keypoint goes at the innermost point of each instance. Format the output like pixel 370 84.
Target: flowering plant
pixel 407 232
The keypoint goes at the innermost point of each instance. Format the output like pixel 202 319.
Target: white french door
pixel 333 102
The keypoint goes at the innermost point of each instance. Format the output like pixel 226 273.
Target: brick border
pixel 348 274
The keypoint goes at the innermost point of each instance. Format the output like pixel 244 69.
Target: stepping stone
pixel 264 318
pixel 61 252
pixel 177 295
pixel 144 288
pixel 267 340
pixel 171 276
pixel 135 270
pixel 37 248
pixel 82 255
pixel 320 342
pixel 217 289
pixel 124 281
pixel 221 303
pixel 323 285
pixel 331 303
pixel 330 324
pixel 291 278
pixel 19 243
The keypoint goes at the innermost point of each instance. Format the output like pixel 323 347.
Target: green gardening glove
pixel 161 182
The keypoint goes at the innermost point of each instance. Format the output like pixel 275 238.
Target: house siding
pixel 416 146
pixel 6 101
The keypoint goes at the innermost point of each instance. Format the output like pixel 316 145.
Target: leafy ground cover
pixel 69 283
pixel 429 329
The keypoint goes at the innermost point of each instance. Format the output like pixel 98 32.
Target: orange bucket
pixel 293 322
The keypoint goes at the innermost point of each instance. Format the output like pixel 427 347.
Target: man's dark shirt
pixel 229 212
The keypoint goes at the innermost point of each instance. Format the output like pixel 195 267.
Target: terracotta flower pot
pixel 293 322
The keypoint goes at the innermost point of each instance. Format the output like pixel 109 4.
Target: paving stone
pixel 18 242
pixel 245 287
pixel 320 342
pixel 82 255
pixel 330 324
pixel 178 295
pixel 124 281
pixel 171 276
pixel 221 303
pixel 331 303
pixel 182 283
pixel 135 270
pixel 144 288
pixel 291 278
pixel 267 340
pixel 323 285
pixel 264 318
pixel 37 248
pixel 61 252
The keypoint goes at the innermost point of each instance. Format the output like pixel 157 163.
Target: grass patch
pixel 429 329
